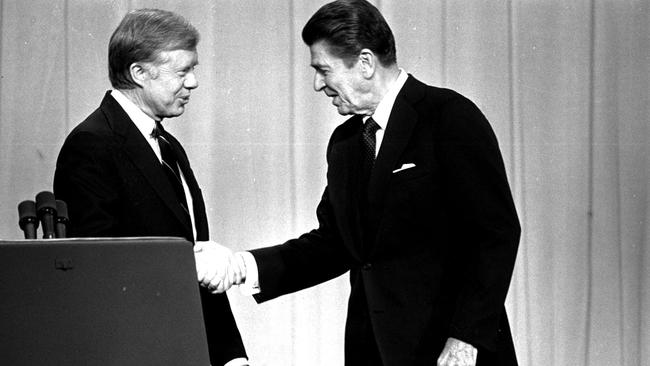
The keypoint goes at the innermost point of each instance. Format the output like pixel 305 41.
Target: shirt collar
pixel 382 112
pixel 143 122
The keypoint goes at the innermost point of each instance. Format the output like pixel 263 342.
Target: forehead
pixel 178 58
pixel 321 56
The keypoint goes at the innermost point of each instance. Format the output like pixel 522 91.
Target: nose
pixel 191 82
pixel 319 81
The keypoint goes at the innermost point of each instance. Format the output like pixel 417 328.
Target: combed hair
pixel 348 26
pixel 141 36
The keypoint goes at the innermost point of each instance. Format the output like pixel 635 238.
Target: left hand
pixel 457 353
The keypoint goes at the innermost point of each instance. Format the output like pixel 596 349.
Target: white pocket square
pixel 404 167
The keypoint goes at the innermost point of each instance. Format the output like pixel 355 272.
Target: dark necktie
pixel 369 143
pixel 170 164
pixel 369 139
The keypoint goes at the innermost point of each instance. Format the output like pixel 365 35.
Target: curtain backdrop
pixel 564 84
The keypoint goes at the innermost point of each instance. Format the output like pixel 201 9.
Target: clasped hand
pixel 217 267
pixel 457 353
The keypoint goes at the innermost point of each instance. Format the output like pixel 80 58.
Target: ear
pixel 368 63
pixel 139 73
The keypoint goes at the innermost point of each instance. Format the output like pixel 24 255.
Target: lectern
pixel 100 301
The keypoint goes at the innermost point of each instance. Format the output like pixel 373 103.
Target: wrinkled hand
pixel 217 268
pixel 457 353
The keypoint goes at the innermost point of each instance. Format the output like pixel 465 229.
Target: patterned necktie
pixel 369 143
pixel 170 164
pixel 368 136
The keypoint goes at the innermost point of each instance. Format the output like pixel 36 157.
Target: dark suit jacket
pixel 435 255
pixel 115 186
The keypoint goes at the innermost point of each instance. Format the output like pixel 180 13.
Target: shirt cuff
pixel 251 285
pixel 238 362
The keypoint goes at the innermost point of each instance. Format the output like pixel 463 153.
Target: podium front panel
pixel 100 301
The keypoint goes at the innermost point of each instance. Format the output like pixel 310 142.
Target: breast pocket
pixel 410 173
pixel 412 189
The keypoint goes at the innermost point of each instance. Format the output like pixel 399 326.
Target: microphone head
pixel 61 211
pixel 27 213
pixel 45 202
pixel 26 209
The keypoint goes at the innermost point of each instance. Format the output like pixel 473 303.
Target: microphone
pixel 46 210
pixel 27 218
pixel 62 219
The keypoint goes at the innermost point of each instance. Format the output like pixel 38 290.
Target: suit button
pixel 367 266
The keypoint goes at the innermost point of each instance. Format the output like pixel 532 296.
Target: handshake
pixel 217 267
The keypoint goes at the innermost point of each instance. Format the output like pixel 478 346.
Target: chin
pixel 344 112
pixel 177 112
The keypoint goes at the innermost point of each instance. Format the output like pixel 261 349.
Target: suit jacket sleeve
pixel 84 179
pixel 312 258
pixel 485 222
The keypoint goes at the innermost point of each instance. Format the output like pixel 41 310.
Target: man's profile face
pixel 345 85
pixel 167 89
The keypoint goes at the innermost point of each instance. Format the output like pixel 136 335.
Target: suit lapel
pixel 137 148
pixel 399 129
pixel 197 197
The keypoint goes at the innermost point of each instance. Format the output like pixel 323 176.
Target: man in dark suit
pixel 122 174
pixel 417 207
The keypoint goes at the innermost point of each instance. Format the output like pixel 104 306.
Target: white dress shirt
pixel 382 112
